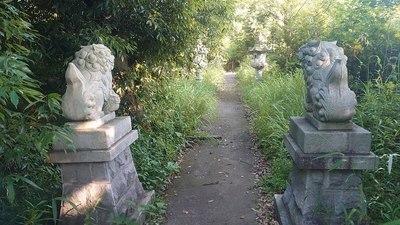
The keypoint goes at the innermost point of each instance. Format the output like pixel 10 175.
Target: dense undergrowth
pixel 272 101
pixel 173 109
pixel 378 112
pixel 368 32
pixel 153 43
pixel 278 96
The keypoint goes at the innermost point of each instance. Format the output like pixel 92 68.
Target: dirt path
pixel 216 186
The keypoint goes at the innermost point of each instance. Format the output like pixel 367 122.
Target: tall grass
pixel 172 110
pixel 378 112
pixel 279 96
pixel 273 100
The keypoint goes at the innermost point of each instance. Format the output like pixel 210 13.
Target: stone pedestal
pixel 258 74
pixel 100 178
pixel 325 179
pixel 199 77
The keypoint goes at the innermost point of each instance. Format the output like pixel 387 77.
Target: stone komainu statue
pixel 89 93
pixel 328 96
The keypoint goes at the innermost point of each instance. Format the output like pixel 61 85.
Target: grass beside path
pixel 272 101
pixel 172 110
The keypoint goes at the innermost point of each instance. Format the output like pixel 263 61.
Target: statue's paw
pixel 322 114
pixel 112 103
pixel 90 105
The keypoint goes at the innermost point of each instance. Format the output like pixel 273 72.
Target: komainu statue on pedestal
pixel 328 96
pixel 89 94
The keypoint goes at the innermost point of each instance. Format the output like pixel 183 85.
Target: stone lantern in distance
pixel 259 58
pixel 200 59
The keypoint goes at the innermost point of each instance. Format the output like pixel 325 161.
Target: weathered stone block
pixel 102 183
pixel 69 174
pixel 332 160
pixel 86 198
pixel 282 212
pixel 328 125
pixel 84 176
pixel 99 171
pixel 103 214
pixel 91 124
pixel 344 180
pixel 102 197
pixel 119 186
pixel 308 202
pixel 108 199
pixel 102 137
pixel 100 155
pixel 130 174
pixel 122 159
pixel 112 169
pixel 310 140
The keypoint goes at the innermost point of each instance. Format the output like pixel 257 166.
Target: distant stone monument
pixel 259 58
pixel 200 59
pixel 99 176
pixel 328 150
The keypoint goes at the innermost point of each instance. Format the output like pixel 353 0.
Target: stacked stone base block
pixel 101 183
pixel 325 182
pixel 315 197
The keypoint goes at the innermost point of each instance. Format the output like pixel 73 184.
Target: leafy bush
pixel 372 47
pixel 378 113
pixel 273 100
pixel 276 181
pixel 272 105
pixel 368 31
pixel 137 32
pixel 172 110
pixel 172 106
pixel 26 129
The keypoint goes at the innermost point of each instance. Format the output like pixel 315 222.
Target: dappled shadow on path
pixel 216 184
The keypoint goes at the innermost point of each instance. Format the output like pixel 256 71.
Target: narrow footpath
pixel 216 184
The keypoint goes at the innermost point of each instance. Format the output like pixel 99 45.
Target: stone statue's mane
pixel 89 94
pixel 328 97
pixel 94 58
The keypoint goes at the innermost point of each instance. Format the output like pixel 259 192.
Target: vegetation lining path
pixel 216 185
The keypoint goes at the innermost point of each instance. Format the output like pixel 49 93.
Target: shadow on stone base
pixel 140 215
pixel 281 211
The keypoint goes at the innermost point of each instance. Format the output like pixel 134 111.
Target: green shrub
pixel 272 101
pixel 276 181
pixel 172 110
pixel 378 113
pixel 28 184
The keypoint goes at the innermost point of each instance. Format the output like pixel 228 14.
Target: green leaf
pixel 10 191
pixel 2 91
pixel 63 199
pixel 338 164
pixel 395 222
pixel 14 98
pixel 26 180
pixel 54 210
